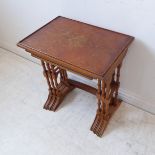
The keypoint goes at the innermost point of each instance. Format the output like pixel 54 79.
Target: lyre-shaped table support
pixel 108 101
pixel 58 87
pixel 107 93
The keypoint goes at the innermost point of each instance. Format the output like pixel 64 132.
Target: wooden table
pixel 96 53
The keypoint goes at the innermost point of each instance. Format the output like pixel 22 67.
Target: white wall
pixel 21 17
pixel 134 17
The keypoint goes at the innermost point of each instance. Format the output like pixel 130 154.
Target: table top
pixel 79 46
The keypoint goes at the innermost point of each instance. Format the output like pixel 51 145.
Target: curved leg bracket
pixel 107 94
pixel 107 102
pixel 101 121
pixel 58 85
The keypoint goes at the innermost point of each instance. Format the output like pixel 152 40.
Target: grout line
pixel 40 65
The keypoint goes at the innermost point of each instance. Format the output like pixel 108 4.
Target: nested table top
pixel 77 46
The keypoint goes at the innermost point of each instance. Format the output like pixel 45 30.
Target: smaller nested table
pixel 96 53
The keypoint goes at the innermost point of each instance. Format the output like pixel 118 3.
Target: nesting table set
pixel 67 45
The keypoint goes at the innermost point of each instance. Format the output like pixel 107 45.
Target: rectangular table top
pixel 79 46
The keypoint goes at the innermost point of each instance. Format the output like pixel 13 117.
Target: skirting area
pixel 28 129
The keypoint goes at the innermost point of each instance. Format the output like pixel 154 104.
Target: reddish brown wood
pixel 76 45
pixel 96 53
pixel 57 91
pixel 107 102
pixel 83 86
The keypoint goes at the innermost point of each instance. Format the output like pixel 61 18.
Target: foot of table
pixel 58 84
pixel 101 121
pixel 108 102
pixel 55 99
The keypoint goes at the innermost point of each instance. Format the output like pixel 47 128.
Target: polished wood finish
pixel 83 86
pixel 107 102
pixel 96 53
pixel 57 90
pixel 76 45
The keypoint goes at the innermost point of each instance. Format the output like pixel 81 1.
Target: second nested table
pixel 96 53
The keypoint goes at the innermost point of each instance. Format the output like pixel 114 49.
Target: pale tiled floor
pixel 27 129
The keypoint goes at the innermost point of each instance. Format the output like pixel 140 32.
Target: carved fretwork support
pixel 107 93
pixel 58 85
pixel 107 101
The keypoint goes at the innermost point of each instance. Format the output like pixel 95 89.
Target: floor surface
pixel 27 129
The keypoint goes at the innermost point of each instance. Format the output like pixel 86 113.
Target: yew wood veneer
pixel 67 45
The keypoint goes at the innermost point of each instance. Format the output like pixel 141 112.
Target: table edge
pixel 40 55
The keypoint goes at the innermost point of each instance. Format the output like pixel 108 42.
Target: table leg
pixel 108 102
pixel 58 84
